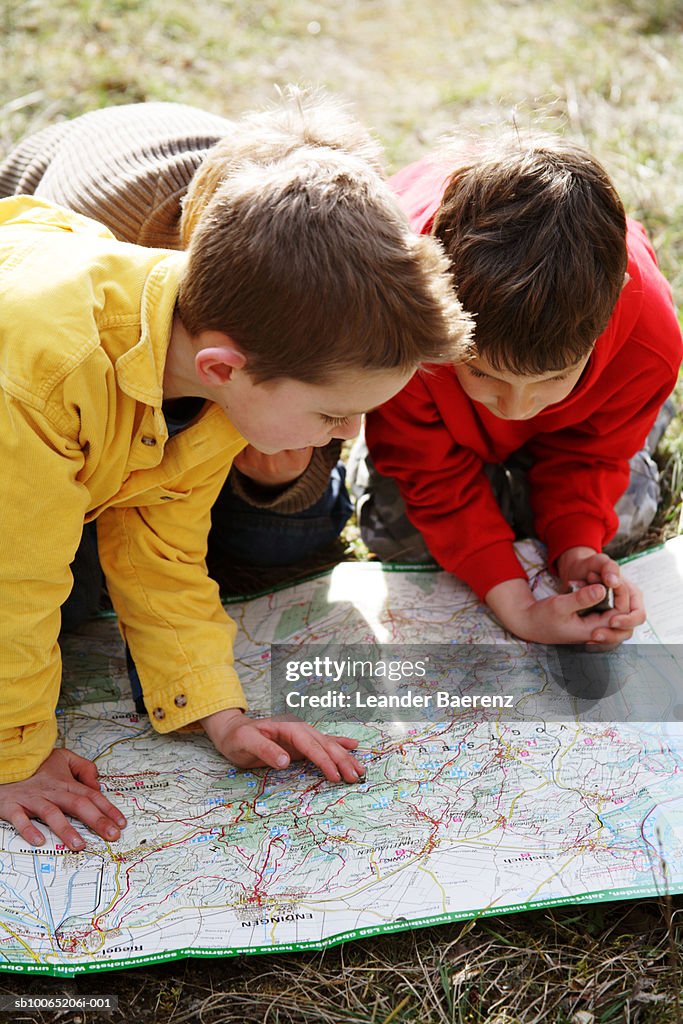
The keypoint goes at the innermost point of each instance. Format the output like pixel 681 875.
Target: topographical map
pixel 457 816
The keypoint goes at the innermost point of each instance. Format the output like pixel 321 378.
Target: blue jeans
pixel 245 535
pixel 84 599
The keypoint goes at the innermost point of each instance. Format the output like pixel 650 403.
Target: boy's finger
pixel 610 574
pixel 609 637
pixel 108 808
pixel 345 741
pixel 53 817
pixel 80 806
pixel 312 746
pixel 583 598
pixel 25 827
pixel 84 770
pixel 306 742
pixel 328 753
pixel 264 750
pixel 344 754
pixel 636 616
pixel 350 769
pixel 622 600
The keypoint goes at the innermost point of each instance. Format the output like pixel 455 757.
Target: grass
pixel 669 520
pixel 611 962
pixel 609 75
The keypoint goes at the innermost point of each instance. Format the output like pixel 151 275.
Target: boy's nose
pixel 516 405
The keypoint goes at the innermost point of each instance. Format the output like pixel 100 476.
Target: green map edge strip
pixel 70 971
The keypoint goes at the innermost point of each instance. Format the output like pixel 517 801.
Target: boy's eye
pixel 485 376
pixel 334 421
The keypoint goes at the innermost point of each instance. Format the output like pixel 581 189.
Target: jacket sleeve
pixel 169 609
pixel 43 506
pixel 447 493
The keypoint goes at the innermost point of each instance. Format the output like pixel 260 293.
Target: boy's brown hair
pixel 309 266
pixel 536 235
pixel 301 117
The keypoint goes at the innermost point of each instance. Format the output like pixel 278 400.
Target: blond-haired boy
pixel 147 171
pixel 303 301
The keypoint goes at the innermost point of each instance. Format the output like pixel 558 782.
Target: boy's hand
pixel 585 565
pixel 273 470
pixel 256 742
pixel 554 620
pixel 64 783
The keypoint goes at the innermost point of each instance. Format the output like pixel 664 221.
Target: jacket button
pixel 159 713
pixel 180 701
pixel 151 441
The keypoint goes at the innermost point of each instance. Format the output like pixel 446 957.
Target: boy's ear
pixel 217 358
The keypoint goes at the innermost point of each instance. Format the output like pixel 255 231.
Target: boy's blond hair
pixel 309 266
pixel 301 117
pixel 536 235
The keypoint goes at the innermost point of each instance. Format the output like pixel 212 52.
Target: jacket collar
pixel 140 370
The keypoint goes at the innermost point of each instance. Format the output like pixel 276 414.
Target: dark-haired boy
pixel 104 346
pixel 576 348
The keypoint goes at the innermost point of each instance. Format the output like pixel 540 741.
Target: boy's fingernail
pixel 113 833
pixel 78 844
pixel 282 761
pixel 599 637
pixel 121 822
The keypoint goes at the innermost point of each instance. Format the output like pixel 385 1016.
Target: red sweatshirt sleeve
pixel 447 493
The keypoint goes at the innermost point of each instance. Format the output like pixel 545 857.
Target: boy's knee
pixel 384 525
pixel 638 505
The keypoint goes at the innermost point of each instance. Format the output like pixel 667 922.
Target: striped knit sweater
pixel 129 168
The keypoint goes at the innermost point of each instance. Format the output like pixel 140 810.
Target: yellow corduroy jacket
pixel 85 323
